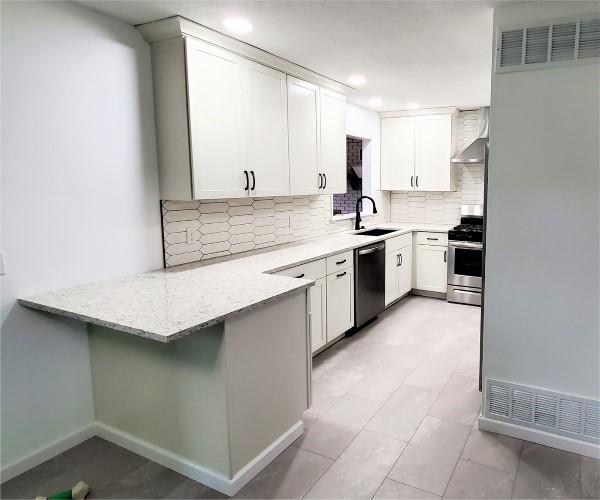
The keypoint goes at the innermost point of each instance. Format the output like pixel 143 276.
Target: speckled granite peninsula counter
pixel 222 392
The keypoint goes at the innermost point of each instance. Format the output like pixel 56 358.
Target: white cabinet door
pixel 391 277
pixel 318 308
pixel 398 153
pixel 304 136
pixel 433 153
pixel 405 270
pixel 266 130
pixel 340 303
pixel 215 80
pixel 333 141
pixel 431 268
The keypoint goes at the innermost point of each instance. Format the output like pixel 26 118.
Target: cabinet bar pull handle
pixel 301 276
pixel 445 254
pixel 417 181
pixel 411 180
pixel 247 180
pixel 320 181
pixel 340 262
pixel 397 260
pixel 325 177
pixel 433 239
pixel 253 180
pixel 340 275
pixel 400 259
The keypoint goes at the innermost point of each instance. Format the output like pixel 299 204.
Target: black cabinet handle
pixel 247 180
pixel 445 254
pixel 432 239
pixel 253 180
pixel 340 262
pixel 341 274
pixel 411 180
pixel 301 276
pixel 320 181
pixel 397 260
pixel 400 259
pixel 417 181
pixel 325 177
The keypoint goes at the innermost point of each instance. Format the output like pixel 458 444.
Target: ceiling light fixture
pixel 413 105
pixel 375 101
pixel 237 25
pixel 357 80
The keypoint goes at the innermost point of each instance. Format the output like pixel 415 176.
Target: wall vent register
pixel 562 43
pixel 553 412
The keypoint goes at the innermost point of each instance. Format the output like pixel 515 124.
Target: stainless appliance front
pixel 465 261
pixel 369 284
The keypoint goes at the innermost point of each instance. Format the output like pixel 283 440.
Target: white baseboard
pixel 540 437
pixel 195 471
pixel 41 455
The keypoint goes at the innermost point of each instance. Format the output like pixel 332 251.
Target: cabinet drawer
pixel 435 239
pixel 340 261
pixel 393 244
pixel 311 270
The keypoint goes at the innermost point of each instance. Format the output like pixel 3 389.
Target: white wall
pixel 79 200
pixel 542 289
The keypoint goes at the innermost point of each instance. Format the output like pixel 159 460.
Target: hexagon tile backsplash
pixel 225 227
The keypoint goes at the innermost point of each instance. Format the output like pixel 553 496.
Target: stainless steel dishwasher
pixel 369 284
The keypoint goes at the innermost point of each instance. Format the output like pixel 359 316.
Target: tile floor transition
pixel 394 416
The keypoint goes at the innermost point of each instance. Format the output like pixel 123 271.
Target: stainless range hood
pixel 475 152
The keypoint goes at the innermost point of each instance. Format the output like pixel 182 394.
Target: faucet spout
pixel 358 218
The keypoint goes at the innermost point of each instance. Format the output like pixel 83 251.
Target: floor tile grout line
pixel 456 464
pixel 408 485
pixel 512 492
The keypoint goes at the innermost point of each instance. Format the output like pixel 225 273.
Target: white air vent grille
pixel 512 48
pixel 592 421
pixel 589 39
pixel 570 42
pixel 567 415
pixel 536 45
pixel 563 42
pixel 499 400
pixel 522 405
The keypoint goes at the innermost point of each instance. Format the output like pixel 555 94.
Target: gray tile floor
pixel 393 416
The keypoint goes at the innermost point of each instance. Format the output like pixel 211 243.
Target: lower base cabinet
pixel 398 274
pixel 340 303
pixel 432 268
pixel 318 315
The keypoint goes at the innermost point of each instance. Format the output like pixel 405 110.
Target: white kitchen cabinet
pixel 333 141
pixel 223 119
pixel 215 89
pixel 318 307
pixel 398 273
pixel 266 130
pixel 431 268
pixel 398 153
pixel 416 152
pixel 340 303
pixel 304 136
pixel 433 151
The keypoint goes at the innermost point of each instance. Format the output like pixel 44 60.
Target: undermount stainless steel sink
pixel 376 232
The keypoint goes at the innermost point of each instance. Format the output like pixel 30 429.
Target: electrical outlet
pixel 191 235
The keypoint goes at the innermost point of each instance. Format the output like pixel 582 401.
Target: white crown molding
pixel 418 112
pixel 173 27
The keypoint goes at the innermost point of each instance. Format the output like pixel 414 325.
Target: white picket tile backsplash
pixel 225 227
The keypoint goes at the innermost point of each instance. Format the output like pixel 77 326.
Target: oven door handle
pixel 465 244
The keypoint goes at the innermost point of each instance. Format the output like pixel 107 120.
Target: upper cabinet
pixel 229 126
pixel 416 151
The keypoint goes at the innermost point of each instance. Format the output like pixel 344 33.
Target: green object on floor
pixel 77 492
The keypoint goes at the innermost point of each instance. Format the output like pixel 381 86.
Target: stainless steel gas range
pixel 465 257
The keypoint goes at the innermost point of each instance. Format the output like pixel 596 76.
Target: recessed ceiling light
pixel 237 25
pixel 357 80
pixel 375 101
pixel 413 105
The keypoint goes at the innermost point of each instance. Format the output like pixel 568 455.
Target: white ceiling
pixel 436 53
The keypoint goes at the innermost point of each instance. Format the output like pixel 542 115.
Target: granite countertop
pixel 167 304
